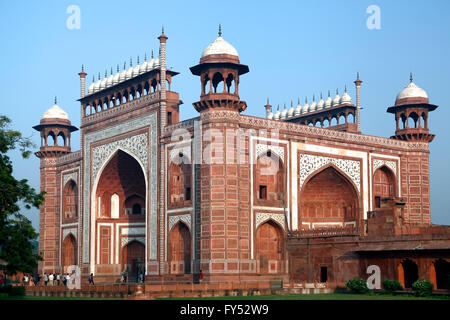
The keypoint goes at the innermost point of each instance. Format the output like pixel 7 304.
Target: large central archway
pixel 119 209
pixel 328 199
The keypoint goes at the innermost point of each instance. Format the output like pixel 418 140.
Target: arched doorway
pixel 328 199
pixel 133 257
pixel 269 247
pixel 383 185
pixel 408 273
pixel 69 252
pixel 179 250
pixel 119 205
pixel 442 274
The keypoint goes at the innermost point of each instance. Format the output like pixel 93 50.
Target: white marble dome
pixel 412 91
pixel 116 78
pixel 109 81
pixel 277 115
pixel 284 113
pixel 328 102
pixel 97 85
pixel 291 111
pixel 346 98
pixel 270 115
pixel 219 46
pixel 298 110
pixel 336 100
pixel 55 112
pixel 320 104
pixel 312 106
pixel 91 88
pixel 305 108
pixel 129 73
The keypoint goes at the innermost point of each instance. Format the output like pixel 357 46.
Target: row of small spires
pixel 306 108
pixel 124 75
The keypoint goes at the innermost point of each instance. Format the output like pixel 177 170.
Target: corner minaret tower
pixel 54 124
pixel 219 70
pixel 411 108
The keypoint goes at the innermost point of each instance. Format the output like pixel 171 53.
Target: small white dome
pixel 284 113
pixel 277 115
pixel 116 78
pixel 346 98
pixel 305 108
pixel 129 74
pixel 291 111
pixel 156 63
pixel 320 104
pixel 298 110
pixel 137 70
pixel 103 84
pixel 312 107
pixel 109 81
pixel 336 100
pixel 91 88
pixel 328 102
pixel 219 46
pixel 123 75
pixel 412 91
pixel 55 112
pixel 144 67
pixel 97 85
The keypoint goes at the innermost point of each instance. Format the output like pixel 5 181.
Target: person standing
pixel 67 278
pixel 201 276
pixel 58 278
pixel 50 279
pixel 45 279
pixel 91 279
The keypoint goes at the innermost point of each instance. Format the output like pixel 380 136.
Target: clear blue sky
pixel 293 48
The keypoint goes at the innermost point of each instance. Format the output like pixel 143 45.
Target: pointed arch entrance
pixel 408 273
pixel 133 258
pixel 440 275
pixel 328 199
pixel 69 252
pixel 270 247
pixel 179 250
pixel 119 206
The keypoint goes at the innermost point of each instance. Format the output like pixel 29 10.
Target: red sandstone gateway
pixel 302 196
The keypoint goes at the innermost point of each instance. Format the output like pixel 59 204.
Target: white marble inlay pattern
pixel 72 231
pixel 137 145
pixel 263 217
pixel 262 148
pixel 126 240
pixel 377 163
pixel 186 218
pixel 71 176
pixel 311 163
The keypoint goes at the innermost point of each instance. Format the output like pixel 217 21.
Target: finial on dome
pixel 106 73
pixel 82 68
pixel 321 95
pixel 285 106
pixel 131 61
pixel 124 65
pixel 357 75
pixel 328 93
pixel 337 90
pixel 152 54
pixel 99 76
pixel 220 30
pixel 162 29
pixel 117 68
pixel 278 107
pixel 93 78
pixel 55 100
pixel 292 105
pixel 345 88
pixel 306 99
pixel 145 57
pixel 298 100
pixel 314 97
pixel 111 70
pixel 410 77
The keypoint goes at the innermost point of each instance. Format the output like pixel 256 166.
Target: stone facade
pixel 237 198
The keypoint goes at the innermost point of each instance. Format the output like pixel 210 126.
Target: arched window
pixel 217 82
pixel 270 179
pixel 115 206
pixel 61 139
pixel 179 249
pixel 383 185
pixel 180 181
pixel 230 82
pixel 408 273
pixel 51 142
pixel 70 200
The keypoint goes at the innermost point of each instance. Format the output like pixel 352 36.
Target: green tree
pixel 16 231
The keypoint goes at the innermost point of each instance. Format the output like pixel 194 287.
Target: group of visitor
pixel 55 279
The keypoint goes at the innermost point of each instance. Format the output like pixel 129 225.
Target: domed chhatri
pixel 55 112
pixel 411 94
pixel 220 46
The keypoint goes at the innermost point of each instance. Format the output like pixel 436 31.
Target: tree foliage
pixel 16 231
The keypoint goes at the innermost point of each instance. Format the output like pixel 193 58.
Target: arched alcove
pixel 269 247
pixel 269 179
pixel 179 249
pixel 69 252
pixel 383 185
